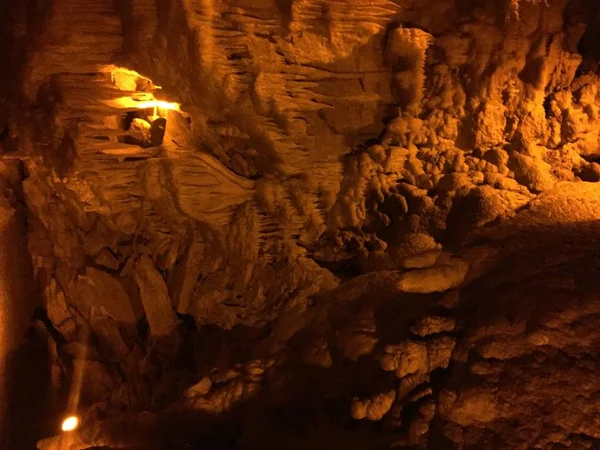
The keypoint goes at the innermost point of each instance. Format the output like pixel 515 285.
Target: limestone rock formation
pixel 310 223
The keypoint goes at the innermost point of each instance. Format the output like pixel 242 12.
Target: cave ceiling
pixel 297 224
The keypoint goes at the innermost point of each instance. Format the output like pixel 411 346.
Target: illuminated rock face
pixel 358 211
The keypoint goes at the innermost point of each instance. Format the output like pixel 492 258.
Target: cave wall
pixel 482 104
pixel 339 172
pixel 23 361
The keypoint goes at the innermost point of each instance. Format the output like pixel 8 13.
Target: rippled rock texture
pixel 369 224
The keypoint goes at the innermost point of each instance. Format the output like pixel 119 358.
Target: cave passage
pixel 299 224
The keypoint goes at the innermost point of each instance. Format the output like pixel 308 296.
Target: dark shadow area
pixel 24 372
pixel 301 406
pixel 28 407
pixel 544 279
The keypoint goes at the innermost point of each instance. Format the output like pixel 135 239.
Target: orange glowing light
pixel 158 104
pixel 70 423
pixel 130 103
pixel 141 90
pixel 127 79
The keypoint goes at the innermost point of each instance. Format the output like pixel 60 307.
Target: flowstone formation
pixel 312 224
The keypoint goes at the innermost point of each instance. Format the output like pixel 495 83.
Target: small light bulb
pixel 70 423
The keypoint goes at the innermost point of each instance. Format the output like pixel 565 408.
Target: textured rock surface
pixel 22 358
pixel 361 211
